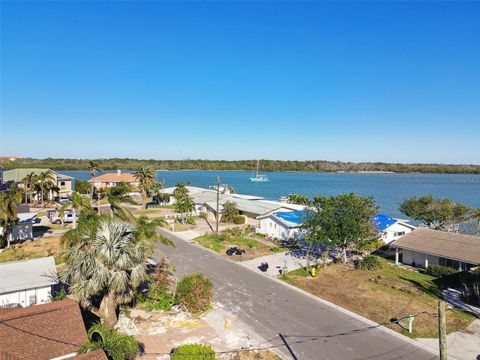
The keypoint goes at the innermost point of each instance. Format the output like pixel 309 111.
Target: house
pixel 26 282
pixel 23 229
pixel 49 331
pixel 390 228
pixel 65 183
pixel 112 179
pixel 283 225
pixel 424 247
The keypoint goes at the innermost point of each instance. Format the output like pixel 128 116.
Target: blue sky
pixel 371 81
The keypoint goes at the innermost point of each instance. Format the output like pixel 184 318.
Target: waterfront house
pixel 391 229
pixel 112 179
pixel 49 331
pixel 282 225
pixel 65 183
pixel 424 247
pixel 26 282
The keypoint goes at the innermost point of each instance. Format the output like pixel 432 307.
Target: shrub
pixel 193 352
pixel 158 299
pixel 439 271
pixel 230 212
pixel 116 345
pixel 239 219
pixel 368 263
pixel 195 292
pixel 191 220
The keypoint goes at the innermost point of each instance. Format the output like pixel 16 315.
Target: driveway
pixel 312 329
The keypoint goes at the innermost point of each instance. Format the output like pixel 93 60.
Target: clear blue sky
pixel 374 81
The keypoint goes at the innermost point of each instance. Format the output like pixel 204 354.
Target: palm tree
pixel 78 202
pixel 117 196
pixel 110 266
pixel 184 204
pixel 146 178
pixel 475 216
pixel 8 211
pixel 147 230
pixel 94 167
pixel 45 182
pixel 28 182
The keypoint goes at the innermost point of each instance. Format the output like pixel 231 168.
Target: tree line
pixel 245 165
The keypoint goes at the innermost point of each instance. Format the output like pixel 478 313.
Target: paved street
pixel 312 329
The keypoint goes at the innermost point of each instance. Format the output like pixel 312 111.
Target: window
pixel 32 300
pixel 450 263
pixel 400 233
pixel 62 183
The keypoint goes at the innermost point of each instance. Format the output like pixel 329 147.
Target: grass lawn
pixel 252 247
pixel 382 294
pixel 47 246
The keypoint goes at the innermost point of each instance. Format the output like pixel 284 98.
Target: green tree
pixel 184 204
pixel 93 167
pixel 434 213
pixel 230 211
pixel 117 346
pixel 28 183
pixel 147 230
pixel 109 265
pixel 45 183
pixel 8 212
pixel 78 202
pixel 475 216
pixel 117 197
pixel 298 199
pixel 146 178
pixel 344 220
pixel 82 187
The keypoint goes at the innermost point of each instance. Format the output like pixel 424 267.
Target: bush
pixel 439 271
pixel 368 263
pixel 158 299
pixel 191 220
pixel 195 292
pixel 239 219
pixel 193 352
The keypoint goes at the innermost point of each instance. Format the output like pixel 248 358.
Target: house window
pixel 62 183
pixel 32 300
pixel 400 233
pixel 449 263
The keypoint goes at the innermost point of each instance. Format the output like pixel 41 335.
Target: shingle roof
pixel 114 177
pixel 91 355
pixel 42 331
pixel 26 274
pixel 465 248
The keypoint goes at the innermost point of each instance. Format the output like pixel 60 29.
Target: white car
pixel 67 218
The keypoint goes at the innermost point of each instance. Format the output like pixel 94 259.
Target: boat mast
pixel 258 163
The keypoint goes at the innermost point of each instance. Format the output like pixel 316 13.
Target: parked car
pixel 67 218
pixel 63 200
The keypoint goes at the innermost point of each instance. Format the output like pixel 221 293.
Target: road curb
pixel 347 312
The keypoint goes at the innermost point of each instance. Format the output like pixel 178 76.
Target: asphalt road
pixel 313 330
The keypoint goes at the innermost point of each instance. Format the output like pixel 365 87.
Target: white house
pixel 282 225
pixel 26 282
pixel 390 228
pixel 424 247
pixel 23 229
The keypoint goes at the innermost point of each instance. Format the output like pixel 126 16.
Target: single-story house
pixel 23 229
pixel 64 183
pixel 27 282
pixel 108 180
pixel 49 331
pixel 283 225
pixel 390 228
pixel 424 247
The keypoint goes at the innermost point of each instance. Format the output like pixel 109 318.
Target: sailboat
pixel 258 177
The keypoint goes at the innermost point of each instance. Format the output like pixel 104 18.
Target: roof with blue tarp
pixel 295 217
pixel 382 221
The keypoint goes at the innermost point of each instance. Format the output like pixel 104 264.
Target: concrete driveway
pixel 313 329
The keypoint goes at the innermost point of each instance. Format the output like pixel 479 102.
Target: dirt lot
pixel 47 246
pixel 381 295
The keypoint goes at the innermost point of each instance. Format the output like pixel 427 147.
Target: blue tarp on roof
pixel 295 217
pixel 382 222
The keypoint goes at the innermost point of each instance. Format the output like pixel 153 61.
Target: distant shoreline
pixel 317 166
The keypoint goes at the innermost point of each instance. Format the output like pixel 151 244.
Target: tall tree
pixel 117 197
pixel 8 212
pixel 298 199
pixel 28 183
pixel 78 202
pixel 111 266
pixel 434 213
pixel 184 204
pixel 229 212
pixel 344 220
pixel 475 216
pixel 46 182
pixel 146 178
pixel 93 167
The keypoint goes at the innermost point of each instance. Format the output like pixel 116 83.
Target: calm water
pixel 387 189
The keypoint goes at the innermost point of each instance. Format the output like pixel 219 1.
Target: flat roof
pixel 465 248
pixel 26 274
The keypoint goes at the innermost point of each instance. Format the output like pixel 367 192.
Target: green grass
pixel 216 244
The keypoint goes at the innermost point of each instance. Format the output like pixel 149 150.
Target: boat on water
pixel 259 177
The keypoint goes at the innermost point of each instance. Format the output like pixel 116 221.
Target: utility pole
pixel 442 330
pixel 217 215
